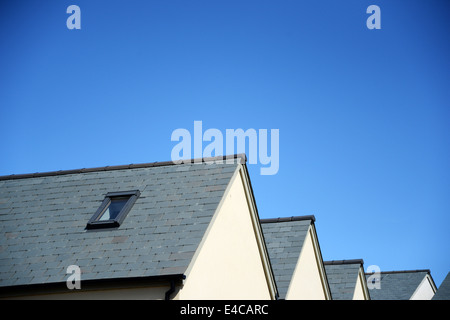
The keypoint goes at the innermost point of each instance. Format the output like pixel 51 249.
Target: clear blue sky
pixel 363 114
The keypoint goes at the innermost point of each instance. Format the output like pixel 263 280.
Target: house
pixel 145 231
pixel 443 293
pixel 296 258
pixel 347 280
pixel 401 285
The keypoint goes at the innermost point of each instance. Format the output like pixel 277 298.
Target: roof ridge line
pixel 345 261
pixel 288 219
pixel 401 271
pixel 240 156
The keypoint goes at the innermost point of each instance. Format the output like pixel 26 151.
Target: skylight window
pixel 113 209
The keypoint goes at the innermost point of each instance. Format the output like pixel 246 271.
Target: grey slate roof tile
pixel 342 278
pixel 284 241
pixel 397 285
pixel 443 293
pixel 43 220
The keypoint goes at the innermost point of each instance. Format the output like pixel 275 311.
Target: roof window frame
pixel 96 223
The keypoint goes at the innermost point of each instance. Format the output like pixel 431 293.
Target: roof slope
pixel 43 220
pixel 342 276
pixel 397 285
pixel 284 240
pixel 443 292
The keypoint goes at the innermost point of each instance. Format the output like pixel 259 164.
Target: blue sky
pixel 363 114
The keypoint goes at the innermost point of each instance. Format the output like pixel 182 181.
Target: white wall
pixel 425 290
pixel 360 288
pixel 228 263
pixel 307 280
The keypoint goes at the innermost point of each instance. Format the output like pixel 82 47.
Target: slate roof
pixel 284 241
pixel 443 292
pixel 342 277
pixel 397 285
pixel 43 219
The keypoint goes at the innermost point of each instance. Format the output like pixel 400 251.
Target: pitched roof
pixel 284 240
pixel 443 292
pixel 342 276
pixel 43 219
pixel 397 285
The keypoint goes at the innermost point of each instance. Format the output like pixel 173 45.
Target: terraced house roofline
pixel 242 157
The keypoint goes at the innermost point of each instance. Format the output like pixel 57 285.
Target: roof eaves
pixel 91 284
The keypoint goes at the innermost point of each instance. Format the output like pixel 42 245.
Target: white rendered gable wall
pixel 228 263
pixel 306 282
